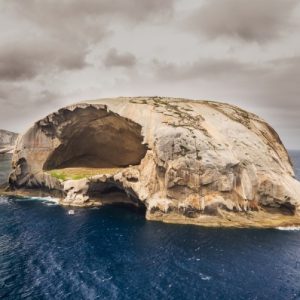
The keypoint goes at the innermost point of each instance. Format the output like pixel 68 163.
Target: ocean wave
pixel 3 200
pixel 204 277
pixel 47 200
pixel 289 228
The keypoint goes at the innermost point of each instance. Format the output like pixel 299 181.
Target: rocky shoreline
pixel 261 219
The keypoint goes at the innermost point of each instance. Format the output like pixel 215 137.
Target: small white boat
pixel 71 212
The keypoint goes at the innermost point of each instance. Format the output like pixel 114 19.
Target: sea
pixel 51 252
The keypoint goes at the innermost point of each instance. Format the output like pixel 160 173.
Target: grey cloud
pixel 281 85
pixel 253 21
pixel 18 96
pixel 24 60
pixel 20 105
pixel 270 89
pixel 49 52
pixel 205 68
pixel 67 12
pixel 275 82
pixel 58 35
pixel 115 59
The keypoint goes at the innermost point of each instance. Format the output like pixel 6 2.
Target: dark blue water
pixel 113 253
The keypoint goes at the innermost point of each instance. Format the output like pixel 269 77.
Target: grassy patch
pixel 58 175
pixel 79 173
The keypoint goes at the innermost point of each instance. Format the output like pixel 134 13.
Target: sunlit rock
pixel 183 161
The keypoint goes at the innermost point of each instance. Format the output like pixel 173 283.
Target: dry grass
pixel 79 173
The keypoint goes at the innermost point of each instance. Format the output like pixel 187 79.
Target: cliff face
pixel 7 141
pixel 182 161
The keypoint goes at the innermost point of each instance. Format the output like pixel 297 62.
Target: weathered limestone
pixel 185 161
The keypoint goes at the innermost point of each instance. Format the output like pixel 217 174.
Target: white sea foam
pixel 289 228
pixel 3 200
pixel 204 277
pixel 48 200
pixel 51 203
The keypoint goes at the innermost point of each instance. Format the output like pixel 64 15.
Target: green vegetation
pixel 58 175
pixel 79 173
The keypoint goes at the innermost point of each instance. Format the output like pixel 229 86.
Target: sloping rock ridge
pixel 7 141
pixel 181 161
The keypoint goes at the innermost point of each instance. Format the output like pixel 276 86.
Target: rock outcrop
pixel 182 161
pixel 7 141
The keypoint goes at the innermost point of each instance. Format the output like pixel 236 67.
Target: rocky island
pixel 7 141
pixel 180 161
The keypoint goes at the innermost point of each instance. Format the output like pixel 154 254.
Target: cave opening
pixel 97 141
pixel 113 194
pixel 90 141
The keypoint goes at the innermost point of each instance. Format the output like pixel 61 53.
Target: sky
pixel 57 52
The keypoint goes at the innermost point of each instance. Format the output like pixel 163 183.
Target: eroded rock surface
pixel 185 161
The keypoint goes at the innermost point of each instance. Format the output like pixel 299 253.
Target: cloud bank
pixel 243 52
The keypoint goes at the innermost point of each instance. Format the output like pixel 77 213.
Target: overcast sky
pixel 56 52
